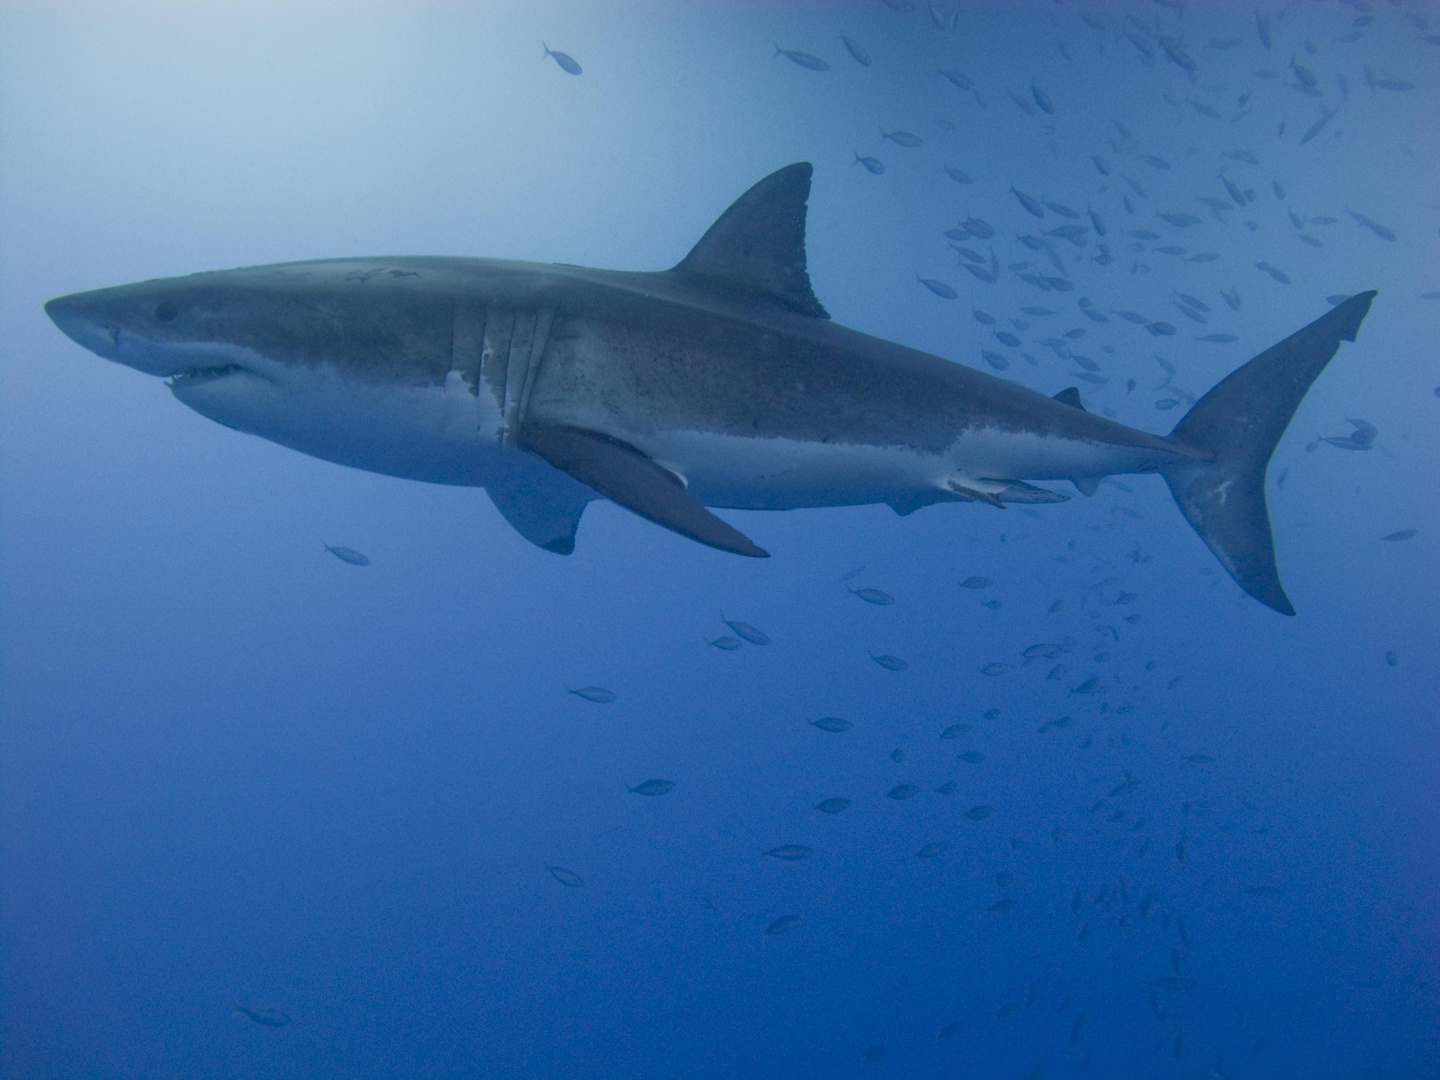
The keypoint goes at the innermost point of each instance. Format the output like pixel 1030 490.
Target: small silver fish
pixel 872 596
pixel 565 60
pixel 906 139
pixel 264 1017
pixel 1317 127
pixel 804 59
pixel 856 50
pixel 652 787
pixel 979 228
pixel 939 288
pixel 1031 206
pixel 345 554
pixel 748 632
pixel 790 852
pixel 568 878
pixel 598 694
pixel 1374 226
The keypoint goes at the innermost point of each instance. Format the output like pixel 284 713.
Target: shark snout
pixel 83 322
pixel 119 324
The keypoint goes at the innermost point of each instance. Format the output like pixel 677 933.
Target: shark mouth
pixel 196 376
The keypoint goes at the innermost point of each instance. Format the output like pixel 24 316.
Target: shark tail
pixel 1235 427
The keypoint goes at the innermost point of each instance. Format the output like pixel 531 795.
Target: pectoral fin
pixel 544 508
pixel 624 475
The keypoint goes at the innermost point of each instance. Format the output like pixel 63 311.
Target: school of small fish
pixel 1123 209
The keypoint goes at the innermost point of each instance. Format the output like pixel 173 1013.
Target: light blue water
pixel 234 769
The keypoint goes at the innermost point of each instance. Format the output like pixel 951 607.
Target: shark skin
pixel 718 383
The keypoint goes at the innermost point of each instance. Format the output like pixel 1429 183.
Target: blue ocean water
pixel 237 771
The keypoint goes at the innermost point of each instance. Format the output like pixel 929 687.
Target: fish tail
pixel 546 52
pixel 1236 427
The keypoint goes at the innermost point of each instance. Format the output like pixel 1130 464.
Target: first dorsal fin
pixel 1070 396
pixel 758 245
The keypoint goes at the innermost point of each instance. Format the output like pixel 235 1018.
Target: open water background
pixel 234 769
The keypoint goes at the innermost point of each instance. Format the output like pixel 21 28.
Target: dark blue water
pixel 236 770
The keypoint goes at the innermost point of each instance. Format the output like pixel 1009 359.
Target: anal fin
pixel 625 476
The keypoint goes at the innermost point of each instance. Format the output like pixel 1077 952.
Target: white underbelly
pixel 440 434
pixel 783 474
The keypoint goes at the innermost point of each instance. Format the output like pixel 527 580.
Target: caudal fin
pixel 1236 426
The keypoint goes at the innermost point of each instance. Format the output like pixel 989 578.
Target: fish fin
pixel 1236 426
pixel 1070 396
pixel 1087 485
pixel 908 503
pixel 625 476
pixel 543 509
pixel 1017 491
pixel 967 491
pixel 758 245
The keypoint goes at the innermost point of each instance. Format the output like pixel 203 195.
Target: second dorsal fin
pixel 758 245
pixel 1070 396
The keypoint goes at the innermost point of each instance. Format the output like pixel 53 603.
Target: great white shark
pixel 719 383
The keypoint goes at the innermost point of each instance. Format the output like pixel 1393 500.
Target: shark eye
pixel 166 311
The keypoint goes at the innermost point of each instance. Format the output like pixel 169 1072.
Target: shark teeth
pixel 191 376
